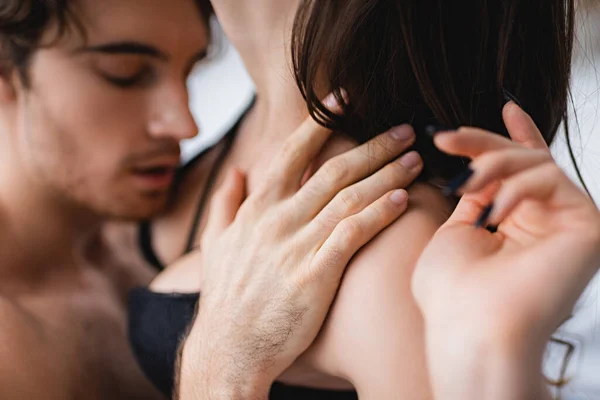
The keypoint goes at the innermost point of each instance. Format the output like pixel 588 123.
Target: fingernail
pixel 410 160
pixel 458 182
pixel 399 197
pixel 485 214
pixel 508 97
pixel 432 130
pixel 401 133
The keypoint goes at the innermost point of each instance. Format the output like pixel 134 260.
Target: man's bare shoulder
pixel 20 329
pixel 18 325
pixel 28 369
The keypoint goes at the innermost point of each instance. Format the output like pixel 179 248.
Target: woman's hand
pixel 272 263
pixel 492 300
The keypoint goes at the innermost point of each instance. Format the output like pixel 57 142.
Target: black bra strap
pixel 145 242
pixel 211 180
pixel 212 177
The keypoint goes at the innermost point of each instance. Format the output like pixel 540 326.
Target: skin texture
pixel 70 144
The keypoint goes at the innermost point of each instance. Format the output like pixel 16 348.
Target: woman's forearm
pixel 469 368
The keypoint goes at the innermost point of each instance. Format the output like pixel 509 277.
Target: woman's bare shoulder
pixel 428 201
pixel 373 335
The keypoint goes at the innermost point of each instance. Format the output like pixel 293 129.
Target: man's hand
pixel 273 263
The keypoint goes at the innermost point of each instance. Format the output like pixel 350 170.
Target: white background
pixel 221 89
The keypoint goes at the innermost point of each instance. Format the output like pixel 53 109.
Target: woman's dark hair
pixel 24 22
pixel 437 62
pixel 434 62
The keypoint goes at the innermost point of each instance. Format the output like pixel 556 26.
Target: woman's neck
pixel 261 32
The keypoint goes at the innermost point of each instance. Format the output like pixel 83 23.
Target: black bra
pixel 157 324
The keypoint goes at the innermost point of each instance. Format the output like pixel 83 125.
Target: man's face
pixel 101 120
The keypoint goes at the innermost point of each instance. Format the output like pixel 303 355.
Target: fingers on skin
pixel 303 145
pixel 351 167
pixel 226 202
pixel 355 231
pixel 352 200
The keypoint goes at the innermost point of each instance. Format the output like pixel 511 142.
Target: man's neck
pixel 40 230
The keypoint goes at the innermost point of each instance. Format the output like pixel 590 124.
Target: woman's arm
pixel 374 335
pixel 470 365
pixel 498 297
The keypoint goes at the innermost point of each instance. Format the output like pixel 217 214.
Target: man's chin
pixel 144 209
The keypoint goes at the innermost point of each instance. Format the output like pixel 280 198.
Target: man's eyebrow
pixel 125 48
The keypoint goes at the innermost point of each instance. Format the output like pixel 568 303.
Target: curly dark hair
pixel 24 22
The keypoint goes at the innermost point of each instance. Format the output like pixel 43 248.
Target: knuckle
pixel 249 208
pixel 379 212
pixel 352 229
pixel 553 170
pixel 351 200
pixel 326 220
pixel 289 151
pixel 275 223
pixel 543 154
pixel 261 193
pixel 335 170
pixel 273 178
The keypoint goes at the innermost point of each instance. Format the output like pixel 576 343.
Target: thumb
pixel 225 203
pixel 521 127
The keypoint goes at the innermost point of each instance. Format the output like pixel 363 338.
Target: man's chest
pixel 85 332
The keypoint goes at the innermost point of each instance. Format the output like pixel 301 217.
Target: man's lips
pixel 155 176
